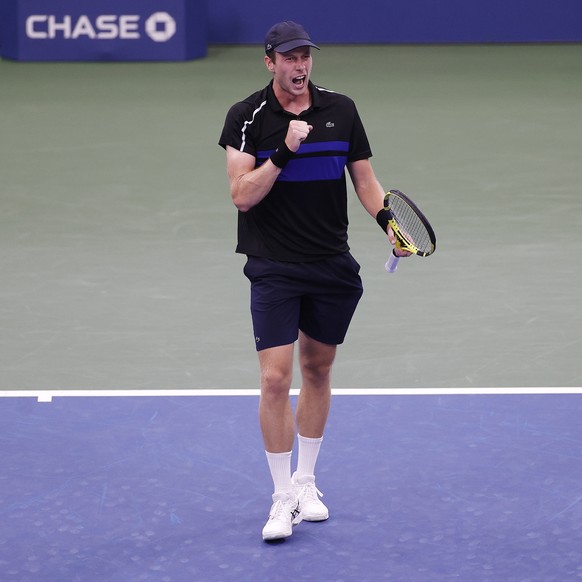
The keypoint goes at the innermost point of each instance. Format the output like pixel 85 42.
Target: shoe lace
pixel 309 492
pixel 277 510
pixel 289 510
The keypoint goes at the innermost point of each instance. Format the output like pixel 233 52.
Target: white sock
pixel 280 467
pixel 307 457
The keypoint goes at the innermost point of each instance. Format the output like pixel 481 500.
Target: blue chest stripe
pixel 306 169
pixel 310 148
pixel 312 169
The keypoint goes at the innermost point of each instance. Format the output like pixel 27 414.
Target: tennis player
pixel 287 148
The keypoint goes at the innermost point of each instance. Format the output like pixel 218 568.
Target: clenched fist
pixel 297 133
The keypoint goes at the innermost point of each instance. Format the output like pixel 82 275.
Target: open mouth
pixel 299 81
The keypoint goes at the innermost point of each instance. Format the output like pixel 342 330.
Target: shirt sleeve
pixel 359 144
pixel 236 131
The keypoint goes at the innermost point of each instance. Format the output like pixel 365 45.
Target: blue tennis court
pixel 422 486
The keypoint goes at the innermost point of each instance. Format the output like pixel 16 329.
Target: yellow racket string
pixel 409 229
pixel 402 241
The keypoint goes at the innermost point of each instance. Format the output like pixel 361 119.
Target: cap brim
pixel 293 44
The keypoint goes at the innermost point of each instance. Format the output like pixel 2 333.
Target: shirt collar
pixel 276 106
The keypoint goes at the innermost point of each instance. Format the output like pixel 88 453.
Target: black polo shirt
pixel 304 217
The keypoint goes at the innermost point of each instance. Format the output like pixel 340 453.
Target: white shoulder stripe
pixel 323 89
pixel 247 123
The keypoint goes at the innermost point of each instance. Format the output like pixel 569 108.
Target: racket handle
pixel 392 263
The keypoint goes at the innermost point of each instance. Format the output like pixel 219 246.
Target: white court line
pixel 48 395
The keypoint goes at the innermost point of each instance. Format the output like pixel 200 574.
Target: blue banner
pixel 180 29
pixel 401 21
pixel 104 30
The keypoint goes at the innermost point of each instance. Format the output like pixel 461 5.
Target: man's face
pixel 292 70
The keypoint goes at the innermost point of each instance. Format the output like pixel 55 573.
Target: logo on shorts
pixel 330 124
pixel 257 339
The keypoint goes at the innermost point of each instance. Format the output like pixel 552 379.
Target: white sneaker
pixel 284 514
pixel 312 508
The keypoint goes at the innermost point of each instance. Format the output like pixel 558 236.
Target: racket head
pixel 411 228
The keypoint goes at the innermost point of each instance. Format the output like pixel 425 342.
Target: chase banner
pixel 103 30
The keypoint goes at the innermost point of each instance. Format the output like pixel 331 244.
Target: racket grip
pixel 392 263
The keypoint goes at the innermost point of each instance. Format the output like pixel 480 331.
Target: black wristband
pixel 281 156
pixel 382 219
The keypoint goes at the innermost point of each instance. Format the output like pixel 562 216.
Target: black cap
pixel 286 36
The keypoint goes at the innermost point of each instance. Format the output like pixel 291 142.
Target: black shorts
pixel 318 298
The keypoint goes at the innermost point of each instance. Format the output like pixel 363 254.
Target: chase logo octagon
pixel 160 27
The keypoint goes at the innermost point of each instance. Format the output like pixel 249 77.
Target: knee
pixel 316 360
pixel 275 384
pixel 317 371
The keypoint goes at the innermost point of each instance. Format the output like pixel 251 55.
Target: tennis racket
pixel 412 230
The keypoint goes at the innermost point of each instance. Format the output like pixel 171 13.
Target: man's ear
pixel 269 64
